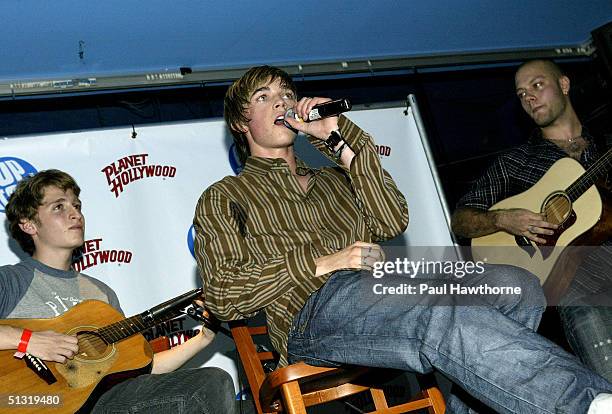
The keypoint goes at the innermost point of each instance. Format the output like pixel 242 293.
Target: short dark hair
pixel 552 67
pixel 28 196
pixel 237 99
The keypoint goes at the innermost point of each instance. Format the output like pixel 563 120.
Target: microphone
pixel 324 110
pixel 171 306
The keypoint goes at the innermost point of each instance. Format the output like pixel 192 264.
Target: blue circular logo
pixel 234 160
pixel 12 170
pixel 190 238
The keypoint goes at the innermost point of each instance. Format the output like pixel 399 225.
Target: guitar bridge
pixel 40 368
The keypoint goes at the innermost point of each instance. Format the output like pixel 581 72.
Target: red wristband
pixel 25 339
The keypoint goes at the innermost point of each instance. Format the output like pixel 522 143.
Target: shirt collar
pixel 588 156
pixel 536 137
pixel 262 166
pixel 32 264
pixel 303 169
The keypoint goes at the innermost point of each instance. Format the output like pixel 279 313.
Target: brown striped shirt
pixel 258 234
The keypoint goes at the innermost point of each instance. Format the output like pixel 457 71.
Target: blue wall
pixel 40 38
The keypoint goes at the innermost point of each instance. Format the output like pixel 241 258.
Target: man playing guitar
pixel 543 91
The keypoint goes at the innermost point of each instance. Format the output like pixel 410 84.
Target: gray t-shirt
pixel 31 289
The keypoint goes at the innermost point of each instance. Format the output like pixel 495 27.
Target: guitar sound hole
pixel 557 208
pixel 91 345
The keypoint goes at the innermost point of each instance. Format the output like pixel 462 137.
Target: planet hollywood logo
pixel 176 330
pixel 383 150
pixel 93 255
pixel 132 168
pixel 12 170
pixel 234 160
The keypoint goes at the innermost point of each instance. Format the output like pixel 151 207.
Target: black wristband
pixel 333 140
pixel 338 153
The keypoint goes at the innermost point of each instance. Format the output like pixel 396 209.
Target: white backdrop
pixel 139 226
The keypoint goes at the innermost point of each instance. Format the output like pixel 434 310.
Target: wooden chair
pixel 293 388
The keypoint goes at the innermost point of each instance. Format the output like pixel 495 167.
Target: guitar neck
pixel 124 329
pixel 598 170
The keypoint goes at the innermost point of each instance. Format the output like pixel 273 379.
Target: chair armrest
pixel 310 378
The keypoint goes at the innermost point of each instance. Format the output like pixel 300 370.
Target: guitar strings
pixel 118 330
pixel 99 339
pixel 602 164
pixel 91 344
pixel 96 342
pixel 558 207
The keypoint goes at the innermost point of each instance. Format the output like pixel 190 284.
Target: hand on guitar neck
pixel 46 345
pixel 210 324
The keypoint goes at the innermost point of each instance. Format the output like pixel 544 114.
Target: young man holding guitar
pixel 487 209
pixel 45 218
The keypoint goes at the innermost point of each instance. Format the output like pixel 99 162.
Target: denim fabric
pixel 588 330
pixel 201 391
pixel 492 351
pixel 455 406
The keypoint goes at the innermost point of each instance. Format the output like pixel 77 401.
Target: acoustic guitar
pixel 108 354
pixel 567 196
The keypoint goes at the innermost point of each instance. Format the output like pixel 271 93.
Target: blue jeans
pixel 201 391
pixel 491 350
pixel 588 330
pixel 586 311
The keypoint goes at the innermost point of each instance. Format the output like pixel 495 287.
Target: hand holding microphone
pixel 322 110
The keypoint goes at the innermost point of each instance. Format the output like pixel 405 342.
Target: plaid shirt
pixel 519 169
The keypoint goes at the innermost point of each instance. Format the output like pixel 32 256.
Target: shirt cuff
pixel 301 266
pixel 354 136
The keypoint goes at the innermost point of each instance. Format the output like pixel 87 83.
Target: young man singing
pixel 291 240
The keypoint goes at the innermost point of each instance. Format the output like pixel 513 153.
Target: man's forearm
pixel 172 359
pixel 9 337
pixel 470 222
